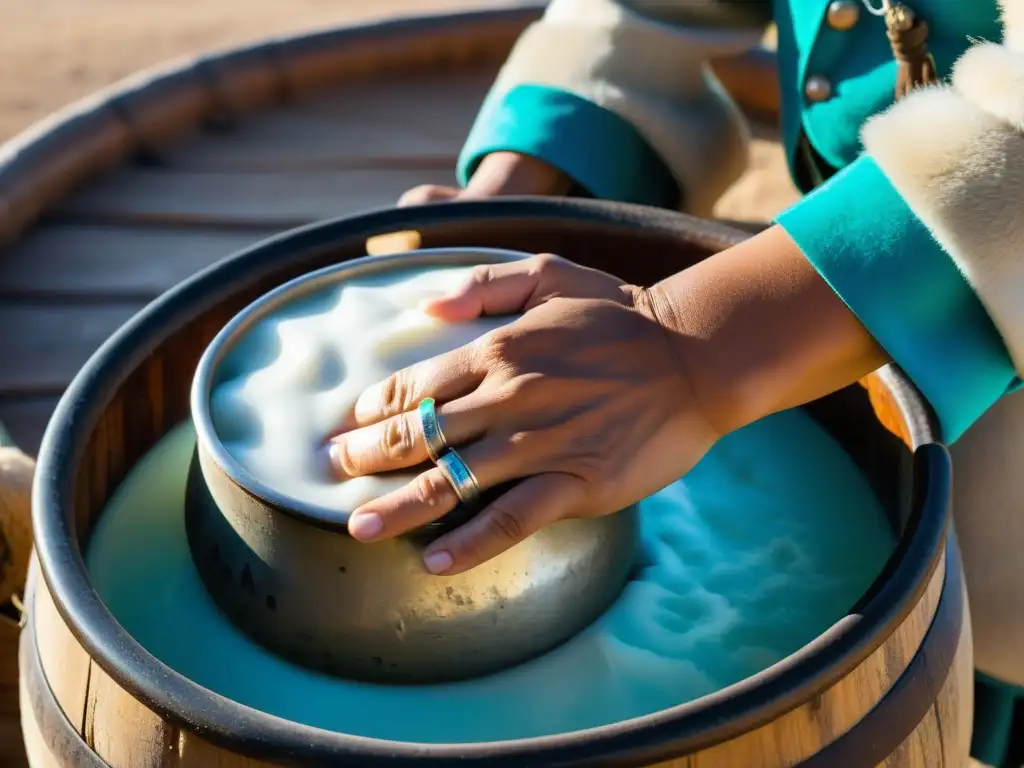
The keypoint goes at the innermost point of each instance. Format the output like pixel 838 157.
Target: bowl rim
pixel 280 297
pixel 687 727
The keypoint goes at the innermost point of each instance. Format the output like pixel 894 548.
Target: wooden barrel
pixel 119 196
pixel 890 683
pixel 123 194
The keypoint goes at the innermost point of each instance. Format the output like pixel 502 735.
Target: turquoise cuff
pixel 885 265
pixel 600 151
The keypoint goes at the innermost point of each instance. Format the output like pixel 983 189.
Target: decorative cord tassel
pixel 908 36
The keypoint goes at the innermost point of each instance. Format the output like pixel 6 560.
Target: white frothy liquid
pixel 287 384
pixel 759 549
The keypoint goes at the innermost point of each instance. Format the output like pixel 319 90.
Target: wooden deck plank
pixel 412 121
pixel 290 140
pixel 287 199
pixel 401 96
pixel 293 139
pixel 65 259
pixel 442 105
pixel 25 419
pixel 46 343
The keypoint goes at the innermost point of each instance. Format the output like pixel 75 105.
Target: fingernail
pixel 336 454
pixel 365 526
pixel 438 562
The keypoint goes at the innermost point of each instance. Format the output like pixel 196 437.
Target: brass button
pixel 818 88
pixel 843 14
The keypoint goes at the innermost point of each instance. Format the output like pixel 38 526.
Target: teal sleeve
pixel 885 265
pixel 995 703
pixel 600 151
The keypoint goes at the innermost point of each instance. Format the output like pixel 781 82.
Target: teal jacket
pixel 615 94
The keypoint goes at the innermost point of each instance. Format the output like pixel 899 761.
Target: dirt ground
pixel 54 51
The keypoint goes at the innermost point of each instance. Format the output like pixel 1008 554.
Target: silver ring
pixel 460 476
pixel 432 434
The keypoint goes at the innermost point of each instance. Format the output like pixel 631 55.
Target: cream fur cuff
pixel 956 155
pixel 653 75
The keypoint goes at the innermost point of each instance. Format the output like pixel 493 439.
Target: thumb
pixel 428 193
pixel 494 289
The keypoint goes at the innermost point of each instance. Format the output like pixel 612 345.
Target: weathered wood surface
pixel 276 199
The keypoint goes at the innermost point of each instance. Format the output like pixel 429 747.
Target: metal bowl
pixel 289 575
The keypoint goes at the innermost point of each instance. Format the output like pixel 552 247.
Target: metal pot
pixel 289 575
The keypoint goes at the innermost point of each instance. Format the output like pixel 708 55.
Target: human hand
pixel 500 173
pixel 585 400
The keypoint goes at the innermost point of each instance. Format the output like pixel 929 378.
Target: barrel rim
pixel 685 728
pixel 902 708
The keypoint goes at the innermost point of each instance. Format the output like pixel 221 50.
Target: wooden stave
pixel 897 396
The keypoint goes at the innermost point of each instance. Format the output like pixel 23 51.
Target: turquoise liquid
pixel 763 546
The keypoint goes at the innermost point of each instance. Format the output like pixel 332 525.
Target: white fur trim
pixel 961 170
pixel 651 74
pixel 956 155
pixel 1013 23
pixel 991 77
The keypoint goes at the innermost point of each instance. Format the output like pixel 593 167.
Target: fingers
pixel 398 442
pixel 496 289
pixel 427 498
pixel 428 193
pixel 444 378
pixel 522 511
pixel 430 496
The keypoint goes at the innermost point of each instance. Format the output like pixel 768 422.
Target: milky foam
pixel 293 376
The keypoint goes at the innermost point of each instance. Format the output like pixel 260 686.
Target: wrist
pixel 510 173
pixel 703 385
pixel 755 330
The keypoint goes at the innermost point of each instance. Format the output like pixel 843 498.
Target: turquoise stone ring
pixel 432 434
pixel 460 476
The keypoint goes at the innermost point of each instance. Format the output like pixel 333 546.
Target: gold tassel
pixel 908 36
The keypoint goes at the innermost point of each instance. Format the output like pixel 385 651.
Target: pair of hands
pixel 585 399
